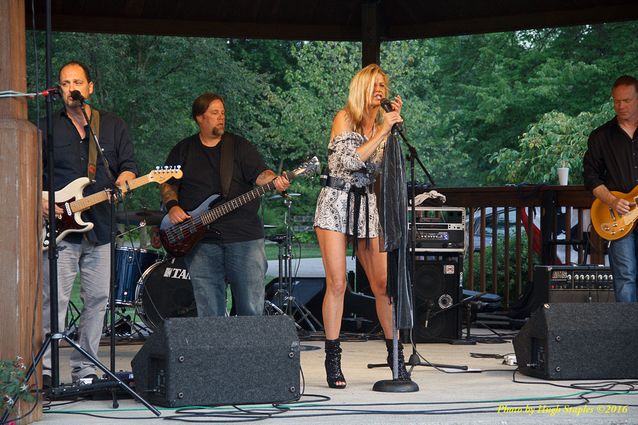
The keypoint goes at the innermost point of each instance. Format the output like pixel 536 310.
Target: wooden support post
pixel 371 44
pixel 20 315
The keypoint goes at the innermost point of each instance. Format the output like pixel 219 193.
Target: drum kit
pixel 156 286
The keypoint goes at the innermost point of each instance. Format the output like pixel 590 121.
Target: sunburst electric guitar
pixel 608 223
pixel 178 239
pixel 72 202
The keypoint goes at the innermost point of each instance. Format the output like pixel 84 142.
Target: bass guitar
pixel 72 202
pixel 180 238
pixel 610 225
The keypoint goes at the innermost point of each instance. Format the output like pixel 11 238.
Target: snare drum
pixel 129 265
pixel 164 291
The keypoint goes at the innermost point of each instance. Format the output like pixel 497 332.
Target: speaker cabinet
pixel 580 341
pixel 437 291
pixel 219 361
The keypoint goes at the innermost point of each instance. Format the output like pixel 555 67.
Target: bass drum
pixel 164 291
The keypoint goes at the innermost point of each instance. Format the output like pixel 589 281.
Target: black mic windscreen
pixel 386 105
pixel 76 95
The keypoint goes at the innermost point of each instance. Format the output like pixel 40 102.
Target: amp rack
pixel 438 229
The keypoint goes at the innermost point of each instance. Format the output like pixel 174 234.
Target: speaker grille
pixel 580 341
pixel 219 361
pixel 437 290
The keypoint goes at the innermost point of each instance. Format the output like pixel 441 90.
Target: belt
pixel 357 194
pixel 340 184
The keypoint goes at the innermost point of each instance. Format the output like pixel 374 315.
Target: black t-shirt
pixel 71 162
pixel 201 179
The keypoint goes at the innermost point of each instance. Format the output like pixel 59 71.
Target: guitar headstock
pixel 308 168
pixel 161 175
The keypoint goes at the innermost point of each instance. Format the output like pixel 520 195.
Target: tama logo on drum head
pixel 176 273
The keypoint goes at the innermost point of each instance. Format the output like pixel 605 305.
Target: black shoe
pixel 404 375
pixel 334 376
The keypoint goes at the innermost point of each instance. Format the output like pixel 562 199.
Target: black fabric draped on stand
pixel 393 213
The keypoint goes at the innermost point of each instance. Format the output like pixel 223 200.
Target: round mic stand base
pixel 395 386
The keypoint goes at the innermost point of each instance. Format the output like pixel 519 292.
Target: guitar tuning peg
pixel 157 167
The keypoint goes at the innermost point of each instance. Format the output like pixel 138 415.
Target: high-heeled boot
pixel 334 376
pixel 402 371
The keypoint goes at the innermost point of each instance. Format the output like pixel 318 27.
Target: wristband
pixel 170 204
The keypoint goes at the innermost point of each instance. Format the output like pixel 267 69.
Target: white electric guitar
pixel 72 202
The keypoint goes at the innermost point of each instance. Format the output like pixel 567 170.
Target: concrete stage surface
pixel 485 395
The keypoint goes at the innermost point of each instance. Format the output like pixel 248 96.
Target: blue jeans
pixel 623 258
pixel 212 264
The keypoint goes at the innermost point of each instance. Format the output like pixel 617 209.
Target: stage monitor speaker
pixel 580 341
pixel 437 292
pixel 219 361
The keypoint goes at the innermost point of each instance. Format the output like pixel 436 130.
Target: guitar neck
pixel 102 196
pixel 218 211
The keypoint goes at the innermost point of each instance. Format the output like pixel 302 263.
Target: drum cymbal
pixel 151 217
pixel 278 196
pixel 269 226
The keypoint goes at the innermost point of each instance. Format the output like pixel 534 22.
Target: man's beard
pixel 218 132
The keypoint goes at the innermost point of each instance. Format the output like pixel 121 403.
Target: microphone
pixel 76 95
pixel 387 106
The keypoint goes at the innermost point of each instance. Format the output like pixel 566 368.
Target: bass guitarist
pixel 611 164
pixel 89 253
pixel 232 251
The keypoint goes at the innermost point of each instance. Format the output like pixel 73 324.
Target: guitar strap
pixel 94 123
pixel 226 165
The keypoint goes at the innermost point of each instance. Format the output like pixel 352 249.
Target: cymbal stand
pixel 286 282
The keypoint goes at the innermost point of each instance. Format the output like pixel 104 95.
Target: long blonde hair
pixel 360 95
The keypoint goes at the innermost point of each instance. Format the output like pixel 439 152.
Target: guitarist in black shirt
pixel 216 162
pixel 611 165
pixel 87 253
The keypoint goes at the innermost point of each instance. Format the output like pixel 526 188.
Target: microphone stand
pixel 116 195
pixel 413 156
pixel 54 335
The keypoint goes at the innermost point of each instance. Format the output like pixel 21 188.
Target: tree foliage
pixel 483 109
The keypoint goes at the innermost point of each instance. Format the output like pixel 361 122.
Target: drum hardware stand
pixel 54 336
pixel 273 309
pixel 284 294
pixel 72 317
pixel 123 319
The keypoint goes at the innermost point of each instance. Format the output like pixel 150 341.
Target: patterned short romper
pixel 346 166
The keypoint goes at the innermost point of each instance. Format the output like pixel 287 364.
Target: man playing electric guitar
pixel 611 164
pixel 89 253
pixel 214 161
